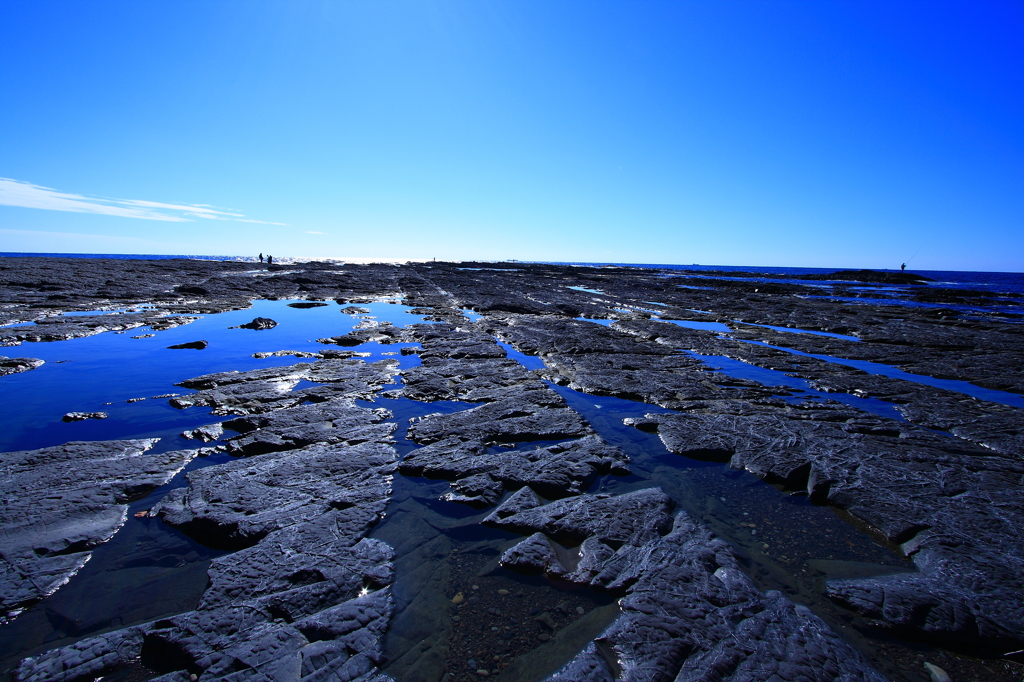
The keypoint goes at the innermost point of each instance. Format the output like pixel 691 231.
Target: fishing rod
pixel 914 254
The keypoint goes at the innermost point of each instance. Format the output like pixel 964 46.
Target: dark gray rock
pixel 206 433
pixel 307 304
pixel 62 502
pixel 952 506
pixel 333 422
pixel 82 416
pixel 532 415
pixel 236 504
pixel 688 612
pixel 267 389
pixel 480 490
pixel 299 605
pixel 259 323
pixel 365 332
pixel 553 471
pixel 305 596
pixel 614 520
pixel 191 345
pixel 469 380
pixel 16 365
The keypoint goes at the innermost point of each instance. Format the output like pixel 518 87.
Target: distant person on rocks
pixel 903 267
pixel 261 257
pixel 270 259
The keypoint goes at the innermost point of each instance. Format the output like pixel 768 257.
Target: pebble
pixel 503 592
pixel 543 636
pixel 471 663
pixel 456 619
pixel 482 673
pixel 476 587
pixel 457 599
pixel 580 610
pixel 495 629
pixel 193 677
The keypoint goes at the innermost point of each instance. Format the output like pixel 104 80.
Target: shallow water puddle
pixel 1011 399
pixel 147 570
pixel 502 620
pixel 795 330
pixel 785 542
pixel 800 387
pixel 705 326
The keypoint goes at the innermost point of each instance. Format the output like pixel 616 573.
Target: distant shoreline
pixel 767 269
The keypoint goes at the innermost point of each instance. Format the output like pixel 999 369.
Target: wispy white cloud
pixel 27 195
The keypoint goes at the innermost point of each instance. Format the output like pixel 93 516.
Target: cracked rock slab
pixel 688 612
pixel 236 504
pixel 62 502
pixel 263 390
pixel 953 506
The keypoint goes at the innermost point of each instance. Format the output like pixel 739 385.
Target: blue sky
pixel 822 134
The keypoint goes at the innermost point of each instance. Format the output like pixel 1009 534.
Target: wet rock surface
pixel 306 592
pixel 191 345
pixel 60 503
pixel 954 507
pixel 268 389
pixel 259 323
pixel 82 416
pixel 688 612
pixel 16 365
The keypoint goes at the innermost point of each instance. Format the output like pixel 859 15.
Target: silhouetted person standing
pixel 261 257
pixel 270 259
pixel 903 267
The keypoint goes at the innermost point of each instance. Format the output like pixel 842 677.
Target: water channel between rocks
pixel 147 570
pixel 523 627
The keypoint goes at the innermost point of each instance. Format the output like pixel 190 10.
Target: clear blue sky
pixel 826 134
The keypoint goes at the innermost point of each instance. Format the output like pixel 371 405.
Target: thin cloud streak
pixel 27 195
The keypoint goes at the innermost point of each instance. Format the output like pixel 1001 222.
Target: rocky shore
pixel 304 472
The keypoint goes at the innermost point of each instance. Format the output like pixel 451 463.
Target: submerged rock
pixel 62 502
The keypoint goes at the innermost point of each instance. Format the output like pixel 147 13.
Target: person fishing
pixel 903 267
pixel 270 259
